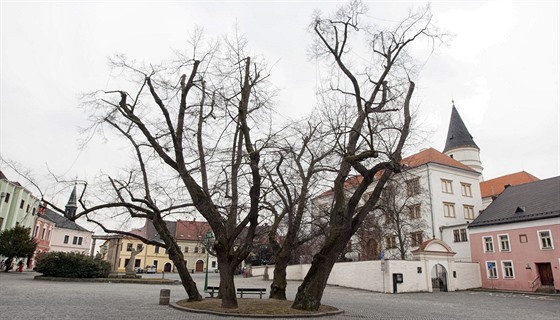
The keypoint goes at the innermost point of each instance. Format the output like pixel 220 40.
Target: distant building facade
pixel 18 206
pixel 190 237
pixel 67 235
pixel 516 239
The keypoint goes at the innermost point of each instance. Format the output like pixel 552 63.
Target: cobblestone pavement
pixel 22 297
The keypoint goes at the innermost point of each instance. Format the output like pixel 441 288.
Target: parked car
pixel 138 270
pixel 150 269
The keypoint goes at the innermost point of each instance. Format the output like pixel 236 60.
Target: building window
pixel 488 244
pixel 523 238
pixel 27 209
pixel 43 233
pixel 469 212
pixel 466 190
pixel 391 242
pixel 138 246
pixel 491 270
pixel 75 240
pixel 21 204
pixel 460 235
pixel 213 264
pixel 49 235
pixel 33 211
pixel 545 239
pixel 156 249
pixel 504 242
pixel 195 249
pixel 36 232
pixel 186 249
pixel 7 198
pixel 446 186
pixel 203 250
pixel 66 238
pixel 414 211
pixel 80 241
pixel 129 247
pixel 413 187
pixel 449 209
pixel 416 239
pixel 507 270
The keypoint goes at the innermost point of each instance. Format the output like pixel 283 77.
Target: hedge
pixel 71 265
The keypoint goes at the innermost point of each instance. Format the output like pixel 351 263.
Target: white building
pixel 67 236
pixel 442 191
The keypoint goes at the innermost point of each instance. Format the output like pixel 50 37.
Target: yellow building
pixel 190 236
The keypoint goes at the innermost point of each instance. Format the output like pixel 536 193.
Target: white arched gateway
pixel 437 258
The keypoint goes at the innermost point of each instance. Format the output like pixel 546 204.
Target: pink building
pixel 516 239
pixel 42 233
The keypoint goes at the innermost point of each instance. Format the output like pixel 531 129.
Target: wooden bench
pixel 259 291
pixel 211 291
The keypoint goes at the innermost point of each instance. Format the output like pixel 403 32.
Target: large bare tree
pixel 188 124
pixel 299 161
pixel 370 111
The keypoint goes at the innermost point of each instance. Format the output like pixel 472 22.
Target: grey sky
pixel 502 70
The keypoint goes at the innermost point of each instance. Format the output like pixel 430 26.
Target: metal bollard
pixel 164 296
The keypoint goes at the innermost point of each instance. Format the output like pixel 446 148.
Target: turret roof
pixel 458 135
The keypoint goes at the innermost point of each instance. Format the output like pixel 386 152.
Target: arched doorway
pixel 439 278
pixel 167 267
pixel 199 266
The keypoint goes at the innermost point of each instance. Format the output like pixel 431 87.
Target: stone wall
pixel 372 276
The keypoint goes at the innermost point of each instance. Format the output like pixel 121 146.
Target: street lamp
pixel 208 241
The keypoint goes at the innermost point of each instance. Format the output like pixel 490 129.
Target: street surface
pixel 22 297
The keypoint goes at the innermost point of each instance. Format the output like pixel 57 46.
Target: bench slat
pixel 259 291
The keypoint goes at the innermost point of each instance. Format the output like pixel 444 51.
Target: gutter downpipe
pixel 431 205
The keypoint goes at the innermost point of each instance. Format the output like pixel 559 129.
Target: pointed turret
pixel 458 135
pixel 460 144
pixel 72 205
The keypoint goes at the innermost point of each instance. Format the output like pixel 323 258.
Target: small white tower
pixel 460 144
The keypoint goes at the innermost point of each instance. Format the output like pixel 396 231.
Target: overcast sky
pixel 501 68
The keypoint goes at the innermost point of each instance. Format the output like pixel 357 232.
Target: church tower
pixel 460 144
pixel 72 205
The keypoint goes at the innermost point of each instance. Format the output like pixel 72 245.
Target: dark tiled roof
pixel 2 176
pixel 494 187
pixel 457 134
pixel 152 234
pixel 526 202
pixel 61 222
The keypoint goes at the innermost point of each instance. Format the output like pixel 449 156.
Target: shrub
pixel 71 265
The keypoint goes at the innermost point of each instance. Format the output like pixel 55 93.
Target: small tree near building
pixel 16 243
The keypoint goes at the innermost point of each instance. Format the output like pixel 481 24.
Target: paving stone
pixel 22 297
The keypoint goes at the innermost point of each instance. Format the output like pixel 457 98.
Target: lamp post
pixel 208 240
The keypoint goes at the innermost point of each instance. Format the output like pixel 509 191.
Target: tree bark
pixel 177 257
pixel 279 283
pixel 311 290
pixel 227 285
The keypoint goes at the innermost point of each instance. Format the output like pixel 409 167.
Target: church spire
pixel 72 205
pixel 460 144
pixel 458 135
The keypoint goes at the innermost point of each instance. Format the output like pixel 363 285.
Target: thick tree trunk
pixel 279 283
pixel 177 257
pixel 227 285
pixel 186 279
pixel 310 292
